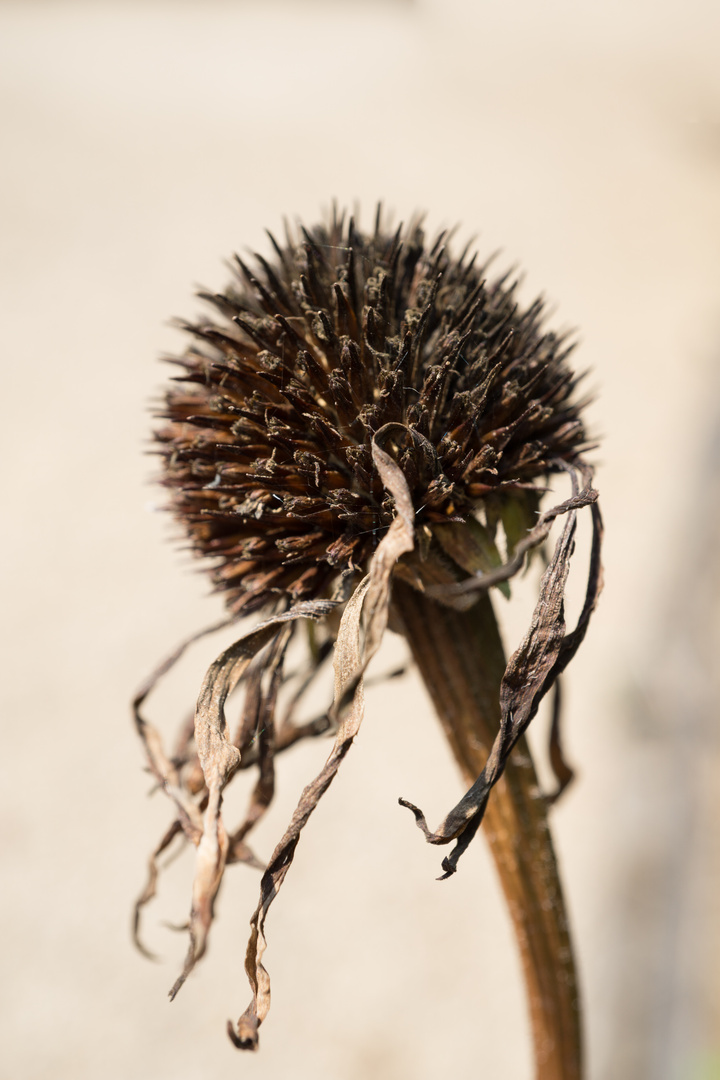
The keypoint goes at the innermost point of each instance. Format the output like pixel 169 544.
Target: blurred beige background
pixel 142 143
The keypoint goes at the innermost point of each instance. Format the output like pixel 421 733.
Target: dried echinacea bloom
pixel 368 424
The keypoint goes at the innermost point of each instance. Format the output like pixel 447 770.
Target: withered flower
pixel 368 425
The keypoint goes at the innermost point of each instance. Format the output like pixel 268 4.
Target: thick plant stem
pixel 460 657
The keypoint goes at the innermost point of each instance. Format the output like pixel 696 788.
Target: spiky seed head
pixel 267 431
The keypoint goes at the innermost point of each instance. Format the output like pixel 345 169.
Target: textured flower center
pixel 267 440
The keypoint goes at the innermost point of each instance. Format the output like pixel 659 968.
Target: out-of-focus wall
pixel 144 143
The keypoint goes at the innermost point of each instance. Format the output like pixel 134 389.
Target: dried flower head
pixel 344 340
pixel 362 409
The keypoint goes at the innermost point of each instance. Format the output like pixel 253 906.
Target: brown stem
pixel 460 657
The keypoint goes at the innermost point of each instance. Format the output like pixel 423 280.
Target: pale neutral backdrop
pixel 143 143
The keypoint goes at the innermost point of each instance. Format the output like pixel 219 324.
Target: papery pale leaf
pixel 369 602
pixel 219 759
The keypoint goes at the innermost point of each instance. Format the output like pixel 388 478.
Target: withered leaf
pixel 219 759
pixel 536 536
pixel 161 766
pixel 369 605
pixel 151 885
pixel 530 672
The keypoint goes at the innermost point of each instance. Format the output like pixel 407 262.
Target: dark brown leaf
pixel 530 673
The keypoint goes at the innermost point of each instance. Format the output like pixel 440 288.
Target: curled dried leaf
pixel 150 889
pixel 563 772
pixel 258 728
pixel 529 675
pixel 219 759
pixel 369 605
pixel 163 768
pixel 347 646
pixel 536 536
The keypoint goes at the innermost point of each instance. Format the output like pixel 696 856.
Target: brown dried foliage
pixel 367 407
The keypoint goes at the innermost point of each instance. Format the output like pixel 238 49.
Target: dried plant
pixel 366 427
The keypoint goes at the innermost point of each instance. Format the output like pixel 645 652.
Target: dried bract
pixel 361 407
